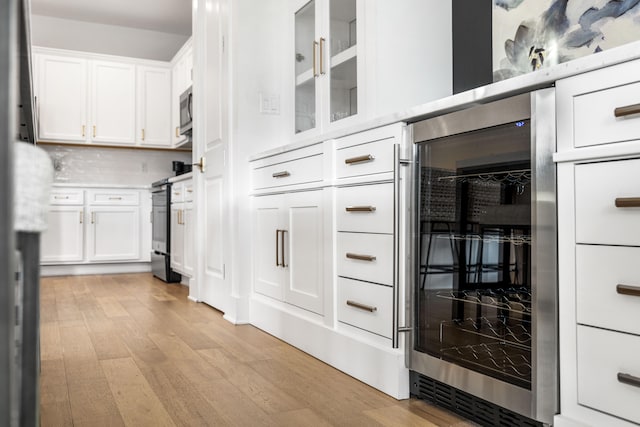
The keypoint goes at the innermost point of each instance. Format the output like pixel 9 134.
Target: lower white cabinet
pixel 112 233
pixel 182 227
pixel 97 225
pixel 63 241
pixel 289 248
pixel 177 237
pixel 189 230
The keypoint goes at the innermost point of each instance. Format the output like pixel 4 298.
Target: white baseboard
pixel 382 368
pixel 193 298
pixel 86 269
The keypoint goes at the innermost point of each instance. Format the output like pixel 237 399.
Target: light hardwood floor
pixel 132 350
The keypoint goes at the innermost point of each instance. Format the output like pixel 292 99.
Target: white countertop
pixel 182 177
pixel 120 186
pixel 535 80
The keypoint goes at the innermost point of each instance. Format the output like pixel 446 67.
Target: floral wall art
pixel 533 34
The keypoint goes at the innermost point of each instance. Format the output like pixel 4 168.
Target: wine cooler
pixel 484 282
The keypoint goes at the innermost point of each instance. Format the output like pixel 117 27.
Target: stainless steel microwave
pixel 186 112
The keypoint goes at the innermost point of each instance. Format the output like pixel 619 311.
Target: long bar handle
pixel 284 264
pixel 628 290
pixel 282 174
pixel 315 67
pixel 360 208
pixel 81 216
pixel 115 198
pixel 360 257
pixel 628 379
pixel 61 197
pixel 359 159
pixel 277 249
pixel 322 40
pixel 627 110
pixel 360 306
pixel 93 217
pixel 83 130
pixel 143 134
pixel 628 202
pixel 94 131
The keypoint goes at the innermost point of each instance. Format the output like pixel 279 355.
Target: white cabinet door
pixel 303 256
pixel 62 98
pixel 113 102
pixel 63 240
pixel 154 106
pixel 269 223
pixel 177 87
pixel 113 233
pixel 189 230
pixel 177 237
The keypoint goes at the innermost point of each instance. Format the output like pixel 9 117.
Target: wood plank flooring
pixel 130 350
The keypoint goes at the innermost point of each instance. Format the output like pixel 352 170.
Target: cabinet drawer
pixel 599 271
pixel 113 197
pixel 177 192
pixel 299 171
pixel 602 357
pixel 188 191
pixel 366 306
pixel 598 220
pixel 594 118
pixel 366 257
pixel 365 159
pixel 365 208
pixel 66 197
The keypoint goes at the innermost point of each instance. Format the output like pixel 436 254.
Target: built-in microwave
pixel 186 112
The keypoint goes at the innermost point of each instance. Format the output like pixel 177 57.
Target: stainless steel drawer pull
pixel 627 110
pixel 189 191
pixel 360 208
pixel 282 174
pixel 362 306
pixel 628 379
pixel 61 197
pixel 628 290
pixel 360 257
pixel 115 198
pixel 628 202
pixel 359 159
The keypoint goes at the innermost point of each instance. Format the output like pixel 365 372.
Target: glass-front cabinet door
pixel 326 63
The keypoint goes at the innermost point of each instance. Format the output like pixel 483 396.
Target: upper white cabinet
pixel 62 98
pixel 113 102
pixel 86 98
pixel 327 62
pixel 182 77
pixel 354 60
pixel 154 103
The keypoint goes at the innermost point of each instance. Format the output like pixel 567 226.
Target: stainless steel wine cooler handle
pixel 628 379
pixel 628 290
pixel 364 307
pixel 628 202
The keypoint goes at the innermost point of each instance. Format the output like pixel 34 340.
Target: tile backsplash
pixel 118 166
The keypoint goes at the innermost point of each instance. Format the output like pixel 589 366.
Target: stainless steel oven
pixel 161 232
pixel 484 282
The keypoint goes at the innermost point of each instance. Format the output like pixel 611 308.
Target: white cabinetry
pixel 97 225
pixel 357 59
pixel 599 242
pixel 99 99
pixel 181 79
pixel 63 241
pixel 182 227
pixel 113 102
pixel 154 106
pixel 290 233
pixel 62 99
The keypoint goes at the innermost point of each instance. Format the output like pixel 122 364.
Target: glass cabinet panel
pixel 305 67
pixel 343 58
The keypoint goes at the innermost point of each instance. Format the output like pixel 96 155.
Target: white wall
pixel 60 33
pixel 114 166
pixel 260 39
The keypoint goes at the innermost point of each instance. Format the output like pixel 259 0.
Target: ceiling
pixel 167 16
